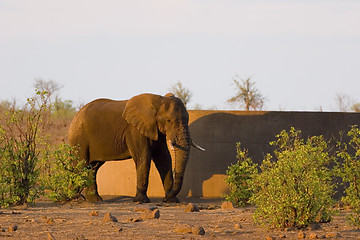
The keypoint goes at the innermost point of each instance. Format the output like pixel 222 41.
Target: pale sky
pixel 301 54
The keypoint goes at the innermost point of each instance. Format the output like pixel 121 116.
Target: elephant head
pixel 153 115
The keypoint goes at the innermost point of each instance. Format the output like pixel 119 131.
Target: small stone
pixel 3 229
pixel 50 236
pixel 13 228
pixel 184 228
pixel 313 236
pixel 237 226
pixel 144 208
pixel 227 205
pixel 192 208
pixel 301 235
pixel 120 229
pixel 270 238
pixel 94 213
pixel 109 218
pixel 134 220
pixel 198 230
pixel 155 214
pixel 333 235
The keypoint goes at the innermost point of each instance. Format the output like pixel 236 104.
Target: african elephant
pixel 107 130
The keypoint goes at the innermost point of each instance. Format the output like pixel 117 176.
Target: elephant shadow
pixel 219 132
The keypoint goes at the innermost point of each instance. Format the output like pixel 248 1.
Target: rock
pixel 144 208
pixel 50 236
pixel 134 220
pixel 109 218
pixel 270 238
pixel 192 208
pixel 301 235
pixel 227 205
pixel 186 228
pixel 2 229
pixel 94 213
pixel 155 214
pixel 333 235
pixel 198 230
pixel 120 229
pixel 237 226
pixel 13 228
pixel 313 236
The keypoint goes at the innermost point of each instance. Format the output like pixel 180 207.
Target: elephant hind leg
pixel 91 193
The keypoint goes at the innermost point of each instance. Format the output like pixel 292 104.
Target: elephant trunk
pixel 181 143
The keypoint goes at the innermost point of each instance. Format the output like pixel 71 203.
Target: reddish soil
pixel 82 220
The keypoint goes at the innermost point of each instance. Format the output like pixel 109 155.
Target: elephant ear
pixel 140 112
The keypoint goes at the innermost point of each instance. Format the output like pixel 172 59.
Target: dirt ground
pixel 82 220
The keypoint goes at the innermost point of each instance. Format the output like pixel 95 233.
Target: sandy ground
pixel 82 220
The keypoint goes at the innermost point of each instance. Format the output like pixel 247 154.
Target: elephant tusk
pixel 171 145
pixel 197 146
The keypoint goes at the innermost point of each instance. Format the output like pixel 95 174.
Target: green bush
pixel 349 171
pixel 64 175
pixel 294 187
pixel 28 165
pixel 19 152
pixel 239 178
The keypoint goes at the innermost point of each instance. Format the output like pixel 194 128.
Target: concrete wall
pixel 218 132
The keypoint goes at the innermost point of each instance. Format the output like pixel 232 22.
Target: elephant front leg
pixel 162 160
pixel 142 175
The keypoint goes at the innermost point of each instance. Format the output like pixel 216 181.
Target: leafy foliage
pixel 28 164
pixel 19 152
pixel 239 178
pixel 349 171
pixel 294 189
pixel 64 174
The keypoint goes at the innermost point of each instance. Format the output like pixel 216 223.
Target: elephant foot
pixel 141 199
pixel 171 200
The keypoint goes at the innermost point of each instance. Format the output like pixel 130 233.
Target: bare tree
pixel 344 102
pixel 181 92
pixel 356 107
pixel 247 96
pixel 50 87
